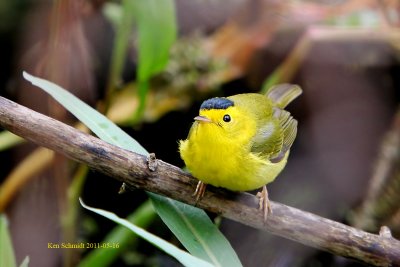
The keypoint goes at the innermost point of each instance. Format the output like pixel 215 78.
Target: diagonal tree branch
pixel 164 179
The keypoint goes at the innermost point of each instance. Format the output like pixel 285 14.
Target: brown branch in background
pixel 318 34
pixel 170 181
pixel 382 203
pixel 27 169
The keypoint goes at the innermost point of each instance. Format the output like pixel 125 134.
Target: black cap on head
pixel 217 103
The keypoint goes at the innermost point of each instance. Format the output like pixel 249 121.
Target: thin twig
pixel 170 181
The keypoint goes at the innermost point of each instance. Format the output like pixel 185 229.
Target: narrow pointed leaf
pixel 7 257
pixel 25 262
pixel 186 221
pixel 156 26
pixel 156 23
pixel 182 256
pixel 99 257
pixel 94 120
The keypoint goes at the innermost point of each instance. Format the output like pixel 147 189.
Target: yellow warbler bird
pixel 241 142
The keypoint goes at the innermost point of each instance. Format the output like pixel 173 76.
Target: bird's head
pixel 221 117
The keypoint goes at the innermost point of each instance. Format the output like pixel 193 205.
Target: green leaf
pixel 25 262
pixel 186 221
pixel 7 257
pixel 182 256
pixel 156 33
pixel 94 120
pixel 197 242
pixel 124 24
pixel 141 217
pixel 156 26
pixel 8 140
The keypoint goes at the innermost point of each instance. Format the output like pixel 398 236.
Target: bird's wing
pixel 275 137
pixel 267 141
pixel 289 130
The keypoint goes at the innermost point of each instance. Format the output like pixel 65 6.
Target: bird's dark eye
pixel 227 118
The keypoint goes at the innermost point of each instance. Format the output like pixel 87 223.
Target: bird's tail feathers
pixel 283 94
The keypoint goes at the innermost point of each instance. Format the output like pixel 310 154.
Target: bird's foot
pixel 264 204
pixel 200 190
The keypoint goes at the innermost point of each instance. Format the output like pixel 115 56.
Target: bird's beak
pixel 202 118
